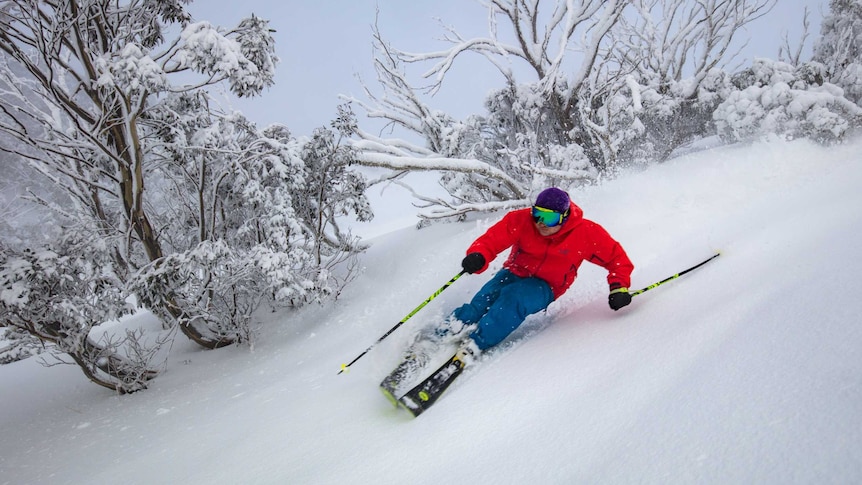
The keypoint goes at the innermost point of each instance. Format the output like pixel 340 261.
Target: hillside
pixel 745 371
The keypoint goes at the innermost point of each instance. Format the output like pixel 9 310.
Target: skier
pixel 548 242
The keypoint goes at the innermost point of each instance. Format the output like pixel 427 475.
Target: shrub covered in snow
pixel 776 98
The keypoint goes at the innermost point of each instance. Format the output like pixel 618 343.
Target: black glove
pixel 619 298
pixel 473 262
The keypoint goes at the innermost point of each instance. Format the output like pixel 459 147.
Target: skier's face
pixel 545 230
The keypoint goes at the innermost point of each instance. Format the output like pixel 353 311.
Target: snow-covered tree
pixel 612 81
pixel 675 52
pixel 194 209
pixel 840 47
pixel 234 191
pixel 542 38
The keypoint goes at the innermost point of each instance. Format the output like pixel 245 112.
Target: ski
pixel 404 372
pixel 426 393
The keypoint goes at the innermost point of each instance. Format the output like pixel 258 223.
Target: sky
pixel 747 370
pixel 324 44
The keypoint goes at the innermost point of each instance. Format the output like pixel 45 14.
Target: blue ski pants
pixel 501 305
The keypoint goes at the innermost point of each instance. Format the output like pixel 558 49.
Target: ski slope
pixel 748 370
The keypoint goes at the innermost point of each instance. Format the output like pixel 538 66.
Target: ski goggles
pixel 548 217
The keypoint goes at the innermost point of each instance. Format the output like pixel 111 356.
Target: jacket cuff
pixel 488 259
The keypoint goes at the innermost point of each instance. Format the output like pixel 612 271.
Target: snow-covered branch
pixel 432 163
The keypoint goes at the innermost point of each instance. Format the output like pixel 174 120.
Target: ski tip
pixel 344 369
pixel 389 396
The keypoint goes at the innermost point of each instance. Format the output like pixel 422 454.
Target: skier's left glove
pixel 619 297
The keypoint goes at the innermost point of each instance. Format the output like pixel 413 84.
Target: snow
pixel 746 370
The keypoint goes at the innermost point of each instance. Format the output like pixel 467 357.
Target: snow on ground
pixel 747 370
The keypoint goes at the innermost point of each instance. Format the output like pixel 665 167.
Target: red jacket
pixel 556 258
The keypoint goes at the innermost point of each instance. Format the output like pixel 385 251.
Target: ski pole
pixel 422 305
pixel 638 292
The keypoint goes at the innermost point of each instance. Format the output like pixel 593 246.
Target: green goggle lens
pixel 547 217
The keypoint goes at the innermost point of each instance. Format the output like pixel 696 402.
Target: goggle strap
pixel 565 214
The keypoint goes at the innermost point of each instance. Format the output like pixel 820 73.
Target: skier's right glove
pixel 473 262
